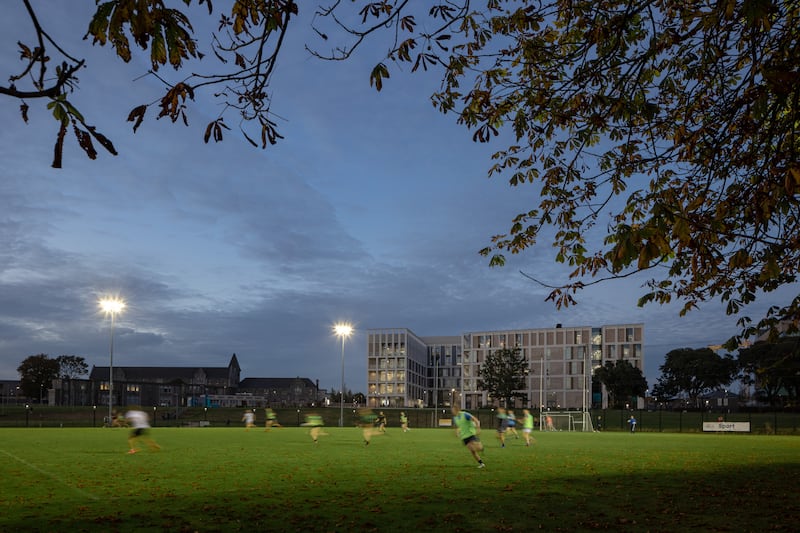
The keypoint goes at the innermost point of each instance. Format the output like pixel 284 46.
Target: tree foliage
pixel 774 369
pixel 36 374
pixel 71 366
pixel 502 375
pixel 674 125
pixel 622 380
pixel 245 46
pixel 693 372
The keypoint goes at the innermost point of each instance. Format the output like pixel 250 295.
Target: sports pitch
pixel 229 479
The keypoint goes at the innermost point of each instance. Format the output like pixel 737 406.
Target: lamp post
pixel 112 307
pixel 342 330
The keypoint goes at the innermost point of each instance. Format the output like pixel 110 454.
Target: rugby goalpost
pixel 566 421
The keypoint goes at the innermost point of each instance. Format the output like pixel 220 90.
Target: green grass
pixel 226 479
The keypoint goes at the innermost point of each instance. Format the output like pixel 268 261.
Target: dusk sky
pixel 371 210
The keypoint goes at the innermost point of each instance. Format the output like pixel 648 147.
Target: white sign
pixel 727 426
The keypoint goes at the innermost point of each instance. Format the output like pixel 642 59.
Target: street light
pixel 342 330
pixel 112 307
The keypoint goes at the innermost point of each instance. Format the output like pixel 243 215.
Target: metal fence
pixel 762 422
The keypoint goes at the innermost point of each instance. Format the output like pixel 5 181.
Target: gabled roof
pixel 164 374
pixel 273 383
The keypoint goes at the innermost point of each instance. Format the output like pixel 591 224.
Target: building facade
pixel 160 386
pixel 282 392
pixel 405 370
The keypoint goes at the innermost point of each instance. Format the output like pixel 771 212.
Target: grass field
pixel 227 479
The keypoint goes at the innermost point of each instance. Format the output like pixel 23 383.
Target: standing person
pixel 527 426
pixel 632 422
pixel 272 420
pixel 140 430
pixel 512 424
pixel 315 422
pixel 404 421
pixel 467 428
pixel 367 420
pixel 502 426
pixel 550 426
pixel 249 419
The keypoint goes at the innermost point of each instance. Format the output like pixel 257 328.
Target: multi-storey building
pixel 404 370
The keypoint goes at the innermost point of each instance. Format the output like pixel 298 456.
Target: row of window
pixel 549 338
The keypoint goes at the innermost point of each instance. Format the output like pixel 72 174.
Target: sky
pixel 370 211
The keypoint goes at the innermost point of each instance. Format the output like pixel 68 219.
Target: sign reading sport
pixel 727 426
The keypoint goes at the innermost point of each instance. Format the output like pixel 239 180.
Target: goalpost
pixel 566 421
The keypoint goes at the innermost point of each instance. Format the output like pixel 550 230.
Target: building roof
pixel 273 383
pixel 167 374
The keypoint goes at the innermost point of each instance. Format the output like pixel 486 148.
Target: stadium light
pixel 342 330
pixel 112 307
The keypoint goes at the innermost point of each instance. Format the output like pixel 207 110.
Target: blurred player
pixel 367 420
pixel 467 429
pixel 404 421
pixel 272 420
pixel 527 426
pixel 140 430
pixel 380 422
pixel 315 422
pixel 249 419
pixel 512 424
pixel 502 426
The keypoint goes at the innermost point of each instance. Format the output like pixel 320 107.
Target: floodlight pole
pixel 341 392
pixel 111 373
pixel 342 330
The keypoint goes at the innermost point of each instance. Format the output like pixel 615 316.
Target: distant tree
pixel 672 124
pixel 622 380
pixel 36 374
pixel 502 374
pixel 774 368
pixel 693 372
pixel 71 366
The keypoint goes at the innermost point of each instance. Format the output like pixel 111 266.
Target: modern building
pixel 406 370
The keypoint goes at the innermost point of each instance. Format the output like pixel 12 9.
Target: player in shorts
pixel 512 424
pixel 249 419
pixel 502 426
pixel 366 421
pixel 467 428
pixel 315 422
pixel 527 426
pixel 140 429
